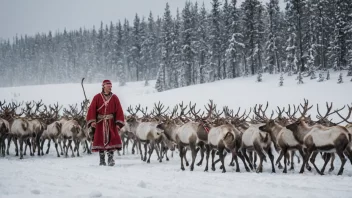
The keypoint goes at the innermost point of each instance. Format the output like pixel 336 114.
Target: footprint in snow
pixel 142 184
pixel 95 194
pixel 36 192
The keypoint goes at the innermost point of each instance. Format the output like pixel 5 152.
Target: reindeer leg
pixel 8 145
pixel 288 158
pixel 222 157
pixel 42 145
pixel 279 159
pixel 234 158
pixel 16 145
pixel 145 151
pixel 167 158
pixel 332 162
pixel 65 148
pixel 207 149
pixel 212 160
pixel 202 150
pixel 284 151
pixel 310 151
pixel 62 149
pixel 30 148
pixel 239 153
pixel 298 159
pixel 185 151
pixel 70 146
pixel 303 158
pixel 48 145
pixel 134 145
pixel 343 160
pixel 152 146
pixel 21 147
pixel 78 143
pixel 244 153
pixel 180 148
pixel 326 160
pixel 292 159
pixel 261 155
pixel 25 147
pixel 38 144
pixel 194 154
pixel 57 151
pixel 271 157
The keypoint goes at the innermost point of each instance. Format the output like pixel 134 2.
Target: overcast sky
pixel 33 16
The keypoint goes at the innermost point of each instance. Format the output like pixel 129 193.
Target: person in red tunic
pixel 105 114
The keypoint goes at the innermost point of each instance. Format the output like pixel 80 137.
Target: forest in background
pixel 194 46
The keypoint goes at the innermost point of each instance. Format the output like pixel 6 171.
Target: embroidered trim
pixel 119 121
pixel 107 147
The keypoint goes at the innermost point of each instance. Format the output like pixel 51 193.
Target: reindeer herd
pixel 217 131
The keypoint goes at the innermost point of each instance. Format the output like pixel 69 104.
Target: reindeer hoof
pixel 183 168
pixel 187 164
pixel 223 171
pixel 148 161
pixel 199 164
pixel 309 168
pixel 340 172
pixel 160 161
pixel 232 164
pixel 58 155
pixel 285 171
pixel 238 170
pixel 213 168
pixel 273 171
pixel 280 166
pixel 221 167
pixel 331 169
pixel 292 168
pixel 192 168
pixel 247 169
pixel 206 169
pixel 167 159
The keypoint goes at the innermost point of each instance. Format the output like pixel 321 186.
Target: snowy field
pixel 49 176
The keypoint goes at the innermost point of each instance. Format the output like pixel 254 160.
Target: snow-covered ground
pixel 49 176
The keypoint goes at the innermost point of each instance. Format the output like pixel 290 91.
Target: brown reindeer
pixel 319 138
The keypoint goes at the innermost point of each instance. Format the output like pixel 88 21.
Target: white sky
pixel 33 16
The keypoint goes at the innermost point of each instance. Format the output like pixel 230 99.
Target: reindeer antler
pixel 347 117
pixel 305 108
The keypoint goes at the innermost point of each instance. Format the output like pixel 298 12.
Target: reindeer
pixel 147 132
pixel 70 129
pixel 53 130
pixel 223 135
pixel 4 129
pixel 193 134
pixel 319 138
pixel 255 140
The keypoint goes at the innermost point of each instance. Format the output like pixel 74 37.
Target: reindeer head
pixel 205 120
pixel 268 127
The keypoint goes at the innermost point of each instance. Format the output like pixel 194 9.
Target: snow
pixel 49 176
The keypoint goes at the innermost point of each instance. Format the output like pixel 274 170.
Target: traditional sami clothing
pixel 107 112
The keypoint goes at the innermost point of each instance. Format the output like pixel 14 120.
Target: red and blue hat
pixel 106 82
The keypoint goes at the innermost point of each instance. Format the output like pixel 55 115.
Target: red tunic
pixel 107 113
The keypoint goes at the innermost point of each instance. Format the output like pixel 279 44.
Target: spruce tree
pixel 340 80
pixel 281 83
pixel 300 78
